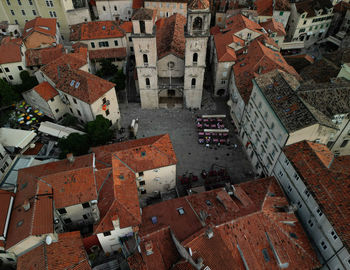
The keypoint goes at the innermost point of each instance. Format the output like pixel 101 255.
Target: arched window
pixel 193 83
pixel 195 58
pixel 148 84
pixel 104 8
pixel 145 59
pixel 197 23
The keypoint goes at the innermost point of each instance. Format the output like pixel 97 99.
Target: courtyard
pixel 181 126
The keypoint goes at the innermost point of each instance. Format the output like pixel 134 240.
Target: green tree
pixel 69 120
pixel 98 130
pixel 107 68
pixel 75 143
pixel 7 94
pixel 119 80
pixel 28 82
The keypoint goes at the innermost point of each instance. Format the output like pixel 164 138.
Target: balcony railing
pixel 168 83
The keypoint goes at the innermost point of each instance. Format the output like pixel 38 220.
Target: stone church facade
pixel 170 56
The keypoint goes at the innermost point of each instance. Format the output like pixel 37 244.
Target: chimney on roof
pixel 149 248
pixel 209 233
pixel 26 205
pixel 260 69
pixel 221 201
pixel 203 216
pixel 70 157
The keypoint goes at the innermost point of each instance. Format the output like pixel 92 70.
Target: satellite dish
pixel 48 240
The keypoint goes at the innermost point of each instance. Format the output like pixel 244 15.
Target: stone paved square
pixel 192 157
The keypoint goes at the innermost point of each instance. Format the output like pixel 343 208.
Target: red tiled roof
pixel 328 179
pixel 119 53
pixel 144 14
pixel 90 87
pixel 39 57
pixel 67 253
pixel 46 91
pixel 91 241
pixel 243 219
pixel 78 46
pixel 239 22
pixel 282 5
pixel 127 27
pixel 64 70
pixel 5 199
pixel 170 37
pixel 264 7
pixel 261 59
pixel 274 27
pixel 136 4
pixel 10 51
pixel 33 151
pixel 198 4
pixel 96 30
pixel 74 60
pixel 222 44
pixel 72 187
pixel 159 147
pixel 38 219
pixel 114 202
pixel 46 26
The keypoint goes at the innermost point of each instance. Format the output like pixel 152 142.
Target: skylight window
pixel 72 82
pixel 77 84
pixel 181 211
pixel 103 27
pixel 266 255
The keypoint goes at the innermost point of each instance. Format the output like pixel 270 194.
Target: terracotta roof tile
pixel 33 151
pixel 72 187
pixel 40 57
pixel 143 14
pixel 119 53
pixel 274 27
pixel 45 90
pixel 96 30
pixel 90 87
pixel 113 202
pixel 67 253
pixel 38 219
pixel 225 52
pixel 127 27
pixel 162 148
pixel 198 4
pixel 46 26
pixel 244 219
pixel 74 60
pixel 264 7
pixel 328 180
pixel 137 4
pixel 170 36
pixel 258 60
pixel 341 7
pixel 5 199
pixel 239 22
pixel 91 241
pixel 10 51
pixel 282 5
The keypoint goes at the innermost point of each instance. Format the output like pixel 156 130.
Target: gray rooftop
pixel 330 98
pixel 279 88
